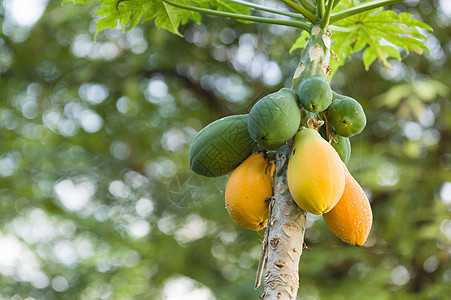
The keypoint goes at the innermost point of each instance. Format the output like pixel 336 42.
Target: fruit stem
pixel 315 124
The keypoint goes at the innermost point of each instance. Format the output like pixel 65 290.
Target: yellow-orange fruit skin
pixel 246 191
pixel 351 218
pixel 315 174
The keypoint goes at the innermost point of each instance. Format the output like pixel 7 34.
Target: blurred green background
pixel 97 198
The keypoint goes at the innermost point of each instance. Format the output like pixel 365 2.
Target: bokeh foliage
pixel 97 199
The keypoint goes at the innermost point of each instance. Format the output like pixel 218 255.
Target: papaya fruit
pixel 246 191
pixel 221 146
pixel 315 93
pixel 342 145
pixel 315 174
pixel 351 218
pixel 275 119
pixel 347 116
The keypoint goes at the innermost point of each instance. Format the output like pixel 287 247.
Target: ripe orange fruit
pixel 247 188
pixel 315 175
pixel 351 218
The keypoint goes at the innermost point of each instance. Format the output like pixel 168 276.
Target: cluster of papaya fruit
pixel 318 179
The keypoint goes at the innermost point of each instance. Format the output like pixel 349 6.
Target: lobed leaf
pixel 130 13
pixel 382 33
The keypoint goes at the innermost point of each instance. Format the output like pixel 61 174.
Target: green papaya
pixel 315 93
pixel 275 119
pixel 315 173
pixel 221 146
pixel 342 145
pixel 347 116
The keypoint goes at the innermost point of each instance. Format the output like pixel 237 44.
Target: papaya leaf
pixel 224 5
pixel 301 41
pixel 383 34
pixel 345 4
pixel 76 1
pixel 130 13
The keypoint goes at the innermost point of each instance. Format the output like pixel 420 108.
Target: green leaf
pixel 301 41
pixel 382 53
pixel 130 13
pixel 76 1
pixel 345 4
pixel 383 34
pixel 224 5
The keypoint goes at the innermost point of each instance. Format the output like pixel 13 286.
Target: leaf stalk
pixel 307 6
pixel 326 18
pixel 320 8
pixel 359 9
pixel 267 9
pixel 336 2
pixel 291 23
pixel 310 16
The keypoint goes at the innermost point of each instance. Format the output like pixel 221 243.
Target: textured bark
pixel 285 239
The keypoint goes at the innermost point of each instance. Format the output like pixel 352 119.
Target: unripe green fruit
pixel 347 116
pixel 342 145
pixel 221 146
pixel 315 94
pixel 275 119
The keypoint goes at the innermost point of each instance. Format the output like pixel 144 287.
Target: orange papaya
pixel 315 174
pixel 246 191
pixel 351 218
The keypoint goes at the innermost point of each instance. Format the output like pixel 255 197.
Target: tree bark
pixel 286 237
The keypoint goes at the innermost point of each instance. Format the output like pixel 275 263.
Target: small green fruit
pixel 347 116
pixel 275 119
pixel 342 145
pixel 315 94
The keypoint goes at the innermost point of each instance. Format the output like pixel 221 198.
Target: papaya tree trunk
pixel 287 223
pixel 286 237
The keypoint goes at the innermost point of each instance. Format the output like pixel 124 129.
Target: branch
pixel 267 9
pixel 298 24
pixel 359 9
pixel 311 17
